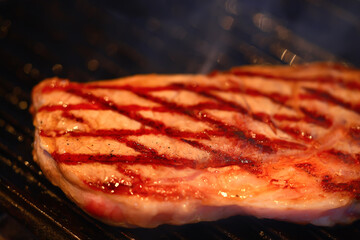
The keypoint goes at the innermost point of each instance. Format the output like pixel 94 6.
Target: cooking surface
pixel 88 40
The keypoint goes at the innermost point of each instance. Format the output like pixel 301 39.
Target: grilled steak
pixel 274 142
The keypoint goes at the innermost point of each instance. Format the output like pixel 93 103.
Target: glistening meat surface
pixel 273 142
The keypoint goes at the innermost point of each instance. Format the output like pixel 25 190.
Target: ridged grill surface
pixel 89 40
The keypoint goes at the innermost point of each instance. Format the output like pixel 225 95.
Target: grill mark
pixel 206 93
pixel 307 167
pixel 219 159
pixel 354 132
pixel 147 157
pixel 228 131
pixel 276 98
pixel 316 118
pixel 352 187
pixel 311 116
pixel 156 123
pixel 71 116
pixel 74 159
pixel 125 132
pixel 257 140
pixel 324 79
pixel 92 106
pixel 142 186
pixel 297 133
pixel 150 156
pixel 260 141
pixel 222 159
pixel 159 126
pixel 114 107
pixel 265 118
pixel 261 117
pixel 89 106
pixel 344 156
pixel 327 97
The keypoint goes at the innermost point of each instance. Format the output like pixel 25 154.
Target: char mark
pixel 352 187
pixel 325 96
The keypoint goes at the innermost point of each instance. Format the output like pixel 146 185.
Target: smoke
pixel 198 36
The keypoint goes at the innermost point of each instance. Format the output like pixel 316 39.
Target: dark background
pixel 87 40
pixel 118 38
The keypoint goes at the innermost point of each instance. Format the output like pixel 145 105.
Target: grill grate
pixel 88 40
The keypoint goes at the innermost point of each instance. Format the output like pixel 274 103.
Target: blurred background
pixel 87 40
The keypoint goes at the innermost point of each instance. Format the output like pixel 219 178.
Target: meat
pixel 269 141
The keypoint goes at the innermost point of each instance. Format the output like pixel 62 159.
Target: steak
pixel 274 142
